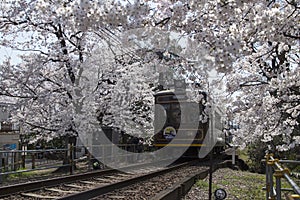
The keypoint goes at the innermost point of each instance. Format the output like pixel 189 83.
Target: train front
pixel 177 122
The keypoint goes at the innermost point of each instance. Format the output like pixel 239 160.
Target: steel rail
pixel 14 189
pixel 182 187
pixel 88 194
pixel 35 185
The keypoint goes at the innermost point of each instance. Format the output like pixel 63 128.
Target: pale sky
pixel 8 52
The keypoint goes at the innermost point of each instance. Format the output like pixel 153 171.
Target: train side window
pixel 176 116
pixel 166 106
pixel 162 99
pixel 189 115
pixel 176 106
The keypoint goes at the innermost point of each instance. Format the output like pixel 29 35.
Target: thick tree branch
pixel 253 83
pixel 41 127
pixel 163 22
pixel 291 36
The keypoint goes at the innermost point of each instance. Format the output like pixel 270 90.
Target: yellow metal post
pixel 278 175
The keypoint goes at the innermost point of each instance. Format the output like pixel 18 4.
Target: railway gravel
pixel 65 189
pixel 148 189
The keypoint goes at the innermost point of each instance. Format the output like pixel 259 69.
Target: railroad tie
pixel 73 186
pixel 115 177
pixel 103 180
pixel 60 191
pixel 88 182
pixel 39 196
pixel 116 197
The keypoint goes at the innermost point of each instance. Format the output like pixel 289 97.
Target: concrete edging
pixel 183 187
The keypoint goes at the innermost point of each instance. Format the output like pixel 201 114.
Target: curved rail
pixel 23 189
pixel 88 194
pixel 13 189
pixel 182 187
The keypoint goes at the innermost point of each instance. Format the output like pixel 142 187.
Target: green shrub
pixel 256 151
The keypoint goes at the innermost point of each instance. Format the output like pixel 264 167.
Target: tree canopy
pixel 124 45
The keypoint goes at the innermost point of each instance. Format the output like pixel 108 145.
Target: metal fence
pixel 19 161
pixel 275 169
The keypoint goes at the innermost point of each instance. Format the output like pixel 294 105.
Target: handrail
pixel 280 172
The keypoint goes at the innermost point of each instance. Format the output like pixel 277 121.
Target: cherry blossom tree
pixel 253 45
pixel 56 38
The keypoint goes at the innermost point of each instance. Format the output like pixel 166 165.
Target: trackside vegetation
pixel 238 184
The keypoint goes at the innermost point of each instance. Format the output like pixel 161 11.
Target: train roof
pixel 172 91
pixel 164 92
pixel 216 107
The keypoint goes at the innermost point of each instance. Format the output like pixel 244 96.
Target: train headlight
pixel 169 132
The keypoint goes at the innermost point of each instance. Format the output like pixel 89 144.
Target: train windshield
pixel 190 112
pixel 178 113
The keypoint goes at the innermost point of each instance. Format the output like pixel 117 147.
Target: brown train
pixel 180 123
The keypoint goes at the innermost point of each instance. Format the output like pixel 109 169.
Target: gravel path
pixel 146 190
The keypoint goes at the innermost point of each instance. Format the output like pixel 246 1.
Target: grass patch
pixel 239 184
pixel 247 185
pixel 29 174
pixel 243 154
pixel 204 184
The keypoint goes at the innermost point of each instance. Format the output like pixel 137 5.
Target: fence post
pixel 23 156
pixel 233 156
pixel 278 175
pixel 12 160
pixel 71 159
pixel 267 182
pixel 89 154
pixel 23 160
pixel 103 154
pixel 33 160
pixel 270 163
pixel 268 177
pixel 272 193
pixel 89 161
pixel 15 161
pixel 0 167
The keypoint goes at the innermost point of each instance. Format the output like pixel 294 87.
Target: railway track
pixel 18 190
pixel 170 185
pixel 65 186
pixel 145 183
